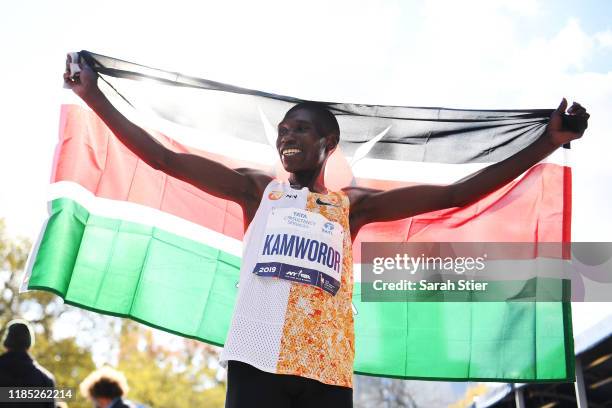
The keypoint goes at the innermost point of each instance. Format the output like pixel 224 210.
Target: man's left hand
pixel 564 127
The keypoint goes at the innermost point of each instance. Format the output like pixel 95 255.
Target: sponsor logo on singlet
pixel 275 195
pixel 333 203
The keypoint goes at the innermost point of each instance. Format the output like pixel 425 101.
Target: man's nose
pixel 288 137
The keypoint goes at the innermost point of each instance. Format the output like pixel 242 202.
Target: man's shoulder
pixel 46 376
pixel 24 371
pixel 11 358
pixel 124 403
pixel 256 173
pixel 260 178
pixel 356 194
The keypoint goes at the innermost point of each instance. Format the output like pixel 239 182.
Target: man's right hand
pixel 85 84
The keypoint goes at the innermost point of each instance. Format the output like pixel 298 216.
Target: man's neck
pixel 313 180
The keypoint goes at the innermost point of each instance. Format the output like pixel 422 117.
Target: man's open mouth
pixel 290 152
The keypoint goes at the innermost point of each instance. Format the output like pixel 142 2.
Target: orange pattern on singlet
pixel 318 339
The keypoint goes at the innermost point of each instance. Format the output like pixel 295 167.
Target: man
pixel 105 388
pixel 291 339
pixel 17 368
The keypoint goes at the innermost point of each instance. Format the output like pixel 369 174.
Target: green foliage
pixel 13 256
pixel 160 377
pixel 68 362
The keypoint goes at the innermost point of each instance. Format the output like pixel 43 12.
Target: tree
pixel 42 307
pixel 161 377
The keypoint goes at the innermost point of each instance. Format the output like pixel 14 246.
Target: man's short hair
pixel 326 121
pixel 105 382
pixel 18 335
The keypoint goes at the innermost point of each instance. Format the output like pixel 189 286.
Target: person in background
pixel 106 387
pixel 18 368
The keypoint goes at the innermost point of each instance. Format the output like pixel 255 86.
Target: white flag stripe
pixel 132 212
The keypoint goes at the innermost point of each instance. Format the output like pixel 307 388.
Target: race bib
pixel 302 246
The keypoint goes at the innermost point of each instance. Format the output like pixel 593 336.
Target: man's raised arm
pixel 243 186
pixel 373 205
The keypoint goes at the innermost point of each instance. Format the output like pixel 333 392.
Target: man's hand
pixel 565 127
pixel 85 84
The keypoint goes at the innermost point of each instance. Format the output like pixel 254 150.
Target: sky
pixel 469 54
pixel 480 54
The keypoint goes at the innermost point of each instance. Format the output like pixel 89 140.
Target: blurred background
pixel 487 54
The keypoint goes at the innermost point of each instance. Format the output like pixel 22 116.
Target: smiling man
pixel 291 340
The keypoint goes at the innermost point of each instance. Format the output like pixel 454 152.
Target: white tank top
pixel 286 327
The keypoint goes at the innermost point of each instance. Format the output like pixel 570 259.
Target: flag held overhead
pixel 125 239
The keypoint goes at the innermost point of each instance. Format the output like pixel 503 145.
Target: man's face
pixel 299 144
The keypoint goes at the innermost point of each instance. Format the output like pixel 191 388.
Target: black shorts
pixel 250 387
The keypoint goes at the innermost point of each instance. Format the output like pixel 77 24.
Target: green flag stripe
pixel 129 269
pixel 487 341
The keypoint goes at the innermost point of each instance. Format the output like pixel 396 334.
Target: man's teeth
pixel 291 152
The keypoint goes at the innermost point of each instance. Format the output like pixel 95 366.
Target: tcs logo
pixel 275 195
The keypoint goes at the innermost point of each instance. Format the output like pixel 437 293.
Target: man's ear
pixel 332 143
pixel 331 147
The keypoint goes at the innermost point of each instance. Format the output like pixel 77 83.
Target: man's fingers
pixel 576 111
pixel 562 106
pixel 68 77
pixel 67 80
pixel 576 107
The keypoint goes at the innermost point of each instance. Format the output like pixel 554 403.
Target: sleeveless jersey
pixel 287 327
